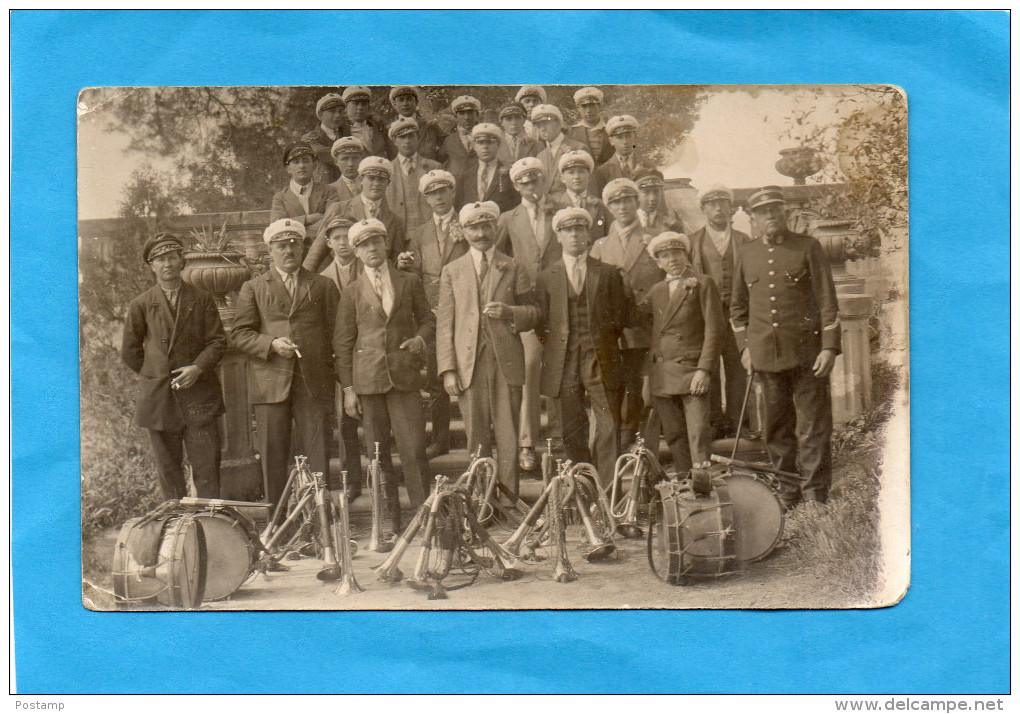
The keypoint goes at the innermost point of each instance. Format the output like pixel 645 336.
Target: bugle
pixel 331 571
pixel 348 585
pixel 375 478
pixel 563 572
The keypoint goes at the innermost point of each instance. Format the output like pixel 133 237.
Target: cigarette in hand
pixel 297 352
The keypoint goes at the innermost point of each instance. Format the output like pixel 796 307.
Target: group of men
pixel 498 265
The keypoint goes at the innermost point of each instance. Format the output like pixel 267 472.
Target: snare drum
pixel 757 514
pixel 231 550
pixel 161 559
pixel 696 535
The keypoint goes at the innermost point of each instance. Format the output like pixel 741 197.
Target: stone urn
pixel 218 272
pixel 798 163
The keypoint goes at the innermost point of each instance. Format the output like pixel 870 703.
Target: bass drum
pixel 757 515
pixel 231 551
pixel 696 536
pixel 160 559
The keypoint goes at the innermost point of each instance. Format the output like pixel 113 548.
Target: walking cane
pixel 743 410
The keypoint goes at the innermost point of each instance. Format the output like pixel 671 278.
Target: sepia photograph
pixel 493 347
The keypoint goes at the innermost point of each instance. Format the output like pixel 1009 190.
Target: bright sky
pixel 736 142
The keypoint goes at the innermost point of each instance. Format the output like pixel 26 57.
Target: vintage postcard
pixel 494 347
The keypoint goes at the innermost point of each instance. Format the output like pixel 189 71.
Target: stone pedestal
pixel 851 377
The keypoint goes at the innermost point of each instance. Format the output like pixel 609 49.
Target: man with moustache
pixel 575 172
pixel 785 317
pixel 284 324
pixel 304 199
pixel 458 146
pixel 591 129
pixel 406 170
pixel 405 100
pixel 584 309
pixel 437 243
pixel 526 234
pixel 548 123
pixel 517 143
pixel 173 339
pixel 622 131
pixel 486 177
pixel 330 112
pixel 714 249
pixel 382 326
pixel 359 123
pixel 485 303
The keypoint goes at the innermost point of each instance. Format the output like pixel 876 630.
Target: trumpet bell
pixel 331 574
pixel 600 553
pixel 629 530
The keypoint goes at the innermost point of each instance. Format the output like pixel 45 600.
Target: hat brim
pixel 759 204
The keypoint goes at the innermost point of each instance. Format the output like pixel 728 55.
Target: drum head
pixel 757 517
pixel 230 554
pixel 182 563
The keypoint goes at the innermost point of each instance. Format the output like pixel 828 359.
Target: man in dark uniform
pixel 653 211
pixel 486 177
pixel 575 173
pixel 714 252
pixel 361 124
pixel 786 320
pixel 330 112
pixel 457 145
pixel 517 143
pixel 623 163
pixel 405 100
pixel 304 199
pixel 591 129
pixel 173 339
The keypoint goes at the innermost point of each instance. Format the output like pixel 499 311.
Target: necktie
pixel 289 282
pixel 379 291
pixel 483 180
pixel 483 269
pixel 577 280
pixel 409 166
pixel 373 210
pixel 515 143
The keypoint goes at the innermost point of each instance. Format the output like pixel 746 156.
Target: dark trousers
pixel 736 383
pixel 491 405
pixel 301 416
pixel 685 426
pixel 633 411
pixel 582 382
pixel 203 444
pixel 350 450
pixel 798 430
pixel 439 402
pixel 402 413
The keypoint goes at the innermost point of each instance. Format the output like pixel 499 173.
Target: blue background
pixel 950 634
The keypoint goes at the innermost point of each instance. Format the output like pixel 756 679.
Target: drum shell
pixel 230 550
pixel 160 559
pixel 757 514
pixel 697 535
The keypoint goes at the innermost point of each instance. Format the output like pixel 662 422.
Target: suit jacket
pixel 379 145
pixel 344 194
pixel 456 154
pixel 529 146
pixel 155 343
pixel 593 204
pixel 515 237
pixel 319 253
pixel 366 341
pixel 579 132
pixel 459 318
pixel 264 311
pixel 501 188
pixel 395 191
pixel 698 244
pixel 430 140
pixel 326 170
pixel 784 306
pixel 687 332
pixel 609 312
pixel 342 275
pixel 430 261
pixel 610 170
pixel 551 159
pixel 640 272
pixel 666 220
pixel 321 198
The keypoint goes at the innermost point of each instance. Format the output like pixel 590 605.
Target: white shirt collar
pixel 284 273
pixel 383 270
pixel 369 202
pixel 570 260
pixel 328 132
pixel 444 220
pixel 476 256
pixel 576 199
pixel 296 187
pixel 555 144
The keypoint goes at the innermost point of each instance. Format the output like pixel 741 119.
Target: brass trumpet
pixel 512 545
pixel 421 572
pixel 388 570
pixel 375 478
pixel 332 570
pixel 348 585
pixel 563 572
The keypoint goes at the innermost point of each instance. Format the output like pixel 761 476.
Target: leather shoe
pixel 436 449
pixel 527 459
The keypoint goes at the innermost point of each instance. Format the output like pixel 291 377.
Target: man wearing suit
pixel 486 177
pixel 654 213
pixel 786 320
pixel 330 112
pixel 687 325
pixel 304 199
pixel 591 130
pixel 343 270
pixel 348 151
pixel 358 122
pixel 584 309
pixel 485 302
pixel 381 330
pixel 622 131
pixel 530 96
pixel 624 247
pixel 457 146
pixel 406 170
pixel 374 176
pixel 405 100
pixel 548 122
pixel 437 242
pixel 173 339
pixel 516 142
pixel 714 249
pixel 575 171
pixel 526 234
pixel 284 323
